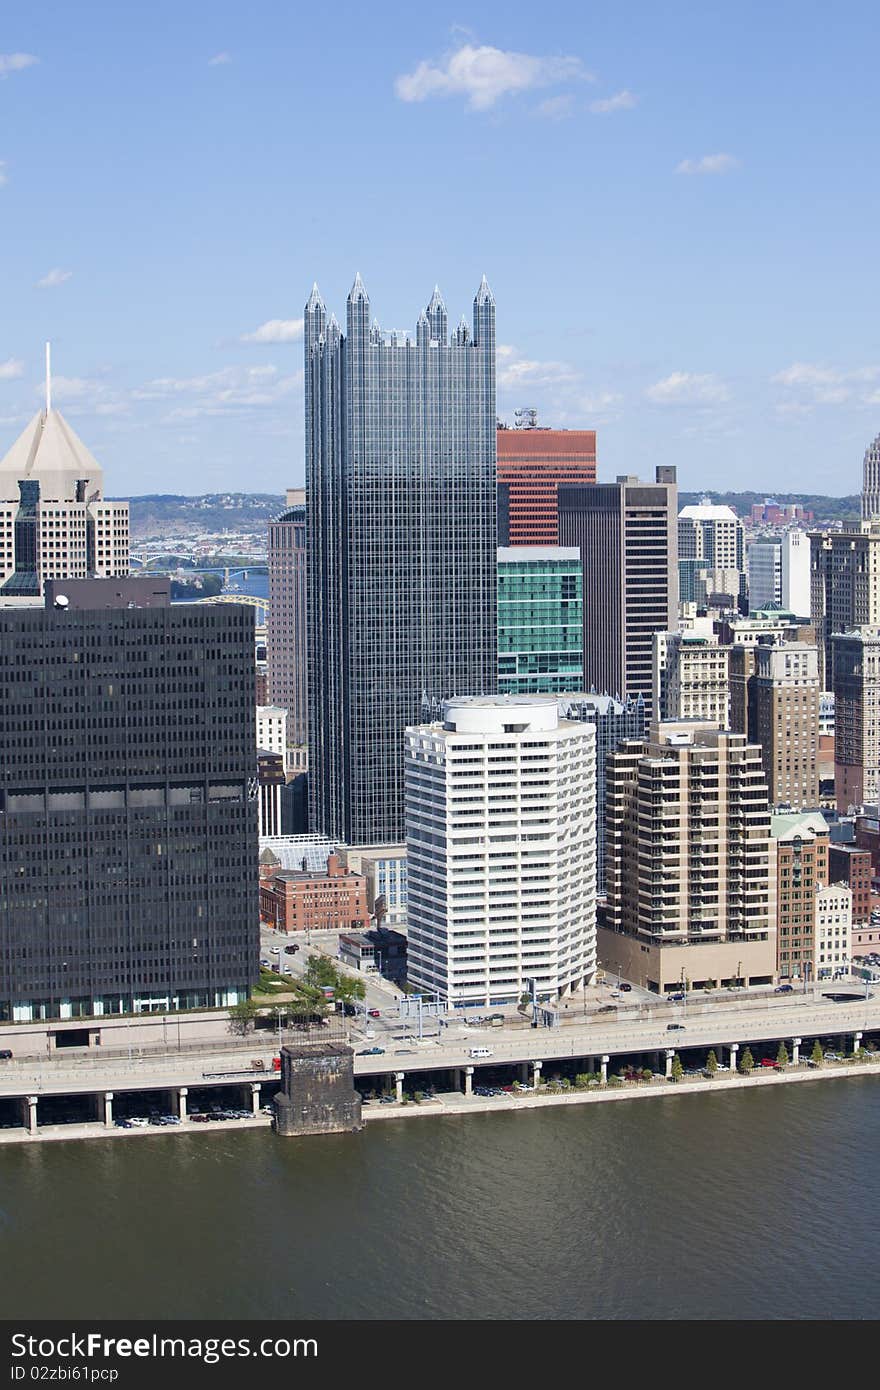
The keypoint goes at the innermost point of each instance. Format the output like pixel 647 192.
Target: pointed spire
pixel 436 300
pixel 358 290
pixel 48 377
pixel 484 295
pixel 315 301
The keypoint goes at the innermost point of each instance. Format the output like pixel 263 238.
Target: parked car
pixel 371 1052
pixel 374 1013
pixel 675 1027
pixel 6 1054
pixel 291 950
pixel 675 998
pixel 625 987
pixel 607 1009
pixel 769 1062
pixel 123 1124
pixel 784 989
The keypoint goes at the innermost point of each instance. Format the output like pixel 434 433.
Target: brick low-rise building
pixel 293 900
pixel 802 844
pixel 852 866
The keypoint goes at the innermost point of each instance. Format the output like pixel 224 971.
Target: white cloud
pixel 219 393
pixel 275 331
pixel 708 164
pixel 688 388
pixel 621 101
pixel 55 277
pixel 218 59
pixel 484 74
pixel 815 384
pixel 599 402
pixel 15 62
pixel 514 370
pixel 74 388
pixel 10 369
pixel 557 108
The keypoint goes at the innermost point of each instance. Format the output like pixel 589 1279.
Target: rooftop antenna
pixel 48 377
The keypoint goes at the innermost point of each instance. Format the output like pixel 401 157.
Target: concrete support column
pixel 255 1097
pixel 182 1093
pixel 591 1066
pixel 536 1074
pixel 456 1079
pixel 32 1114
pixel 468 1081
pixel 796 1050
pixel 108 1109
pixel 734 1049
pixel 605 1060
pixel 524 1073
pixel 670 1054
pixel 398 1085
pixel 857 1042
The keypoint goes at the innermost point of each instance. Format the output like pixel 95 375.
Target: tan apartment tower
pixel 690 880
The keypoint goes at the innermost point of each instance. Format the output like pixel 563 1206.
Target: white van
pixel 480 1052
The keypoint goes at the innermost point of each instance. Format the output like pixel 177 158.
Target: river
pixel 747 1205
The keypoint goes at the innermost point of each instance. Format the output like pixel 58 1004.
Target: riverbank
pixel 453 1104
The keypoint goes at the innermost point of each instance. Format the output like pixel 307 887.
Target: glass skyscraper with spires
pixel 400 478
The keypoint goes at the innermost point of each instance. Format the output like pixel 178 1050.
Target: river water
pixel 760 1204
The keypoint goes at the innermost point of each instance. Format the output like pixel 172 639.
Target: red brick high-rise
pixel 532 462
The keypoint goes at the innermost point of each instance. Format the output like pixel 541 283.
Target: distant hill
pixel 823 508
pixel 167 514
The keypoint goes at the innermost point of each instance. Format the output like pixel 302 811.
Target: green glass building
pixel 540 620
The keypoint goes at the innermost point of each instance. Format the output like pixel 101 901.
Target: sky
pixel 674 201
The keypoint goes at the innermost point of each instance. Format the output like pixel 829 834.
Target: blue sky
pixel 675 202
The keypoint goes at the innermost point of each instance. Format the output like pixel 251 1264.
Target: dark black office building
pixel 128 813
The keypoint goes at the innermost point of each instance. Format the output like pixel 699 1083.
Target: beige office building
pixel 856 717
pixel 690 868
pixel 54 520
pixel 785 695
pixel 691 678
pixel 844 587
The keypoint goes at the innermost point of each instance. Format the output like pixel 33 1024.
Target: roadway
pixel 226 1063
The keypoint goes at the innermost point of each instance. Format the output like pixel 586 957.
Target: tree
pixel 747 1062
pixel 582 1080
pixel 241 1017
pixel 817 1055
pixel 711 1063
pixel 320 971
pixel 647 1074
pixel 782 1056
pixel 677 1068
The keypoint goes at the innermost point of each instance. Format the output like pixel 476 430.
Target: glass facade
pixel 400 469
pixel 128 832
pixel 540 620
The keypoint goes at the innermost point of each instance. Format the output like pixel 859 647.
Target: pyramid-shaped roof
pixel 49 452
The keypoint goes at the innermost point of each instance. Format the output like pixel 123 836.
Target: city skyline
pixel 669 275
